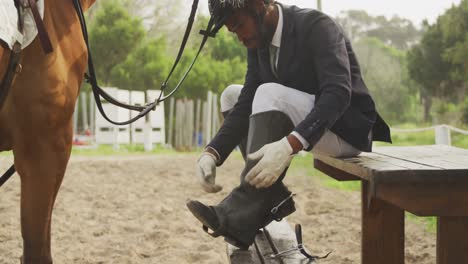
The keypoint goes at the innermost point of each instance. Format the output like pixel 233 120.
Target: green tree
pixel 397 32
pixel 384 71
pixel 145 68
pixel 454 27
pixel 427 67
pixel 113 35
pixel 208 75
pixel 226 46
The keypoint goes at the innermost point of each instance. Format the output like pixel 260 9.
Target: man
pixel 303 91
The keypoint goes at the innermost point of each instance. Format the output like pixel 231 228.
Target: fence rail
pixel 442 132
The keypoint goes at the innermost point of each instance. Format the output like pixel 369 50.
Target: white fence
pixel 442 133
pixel 192 123
pixel 148 130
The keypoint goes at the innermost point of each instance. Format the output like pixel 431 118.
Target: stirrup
pixel 275 209
pixel 300 247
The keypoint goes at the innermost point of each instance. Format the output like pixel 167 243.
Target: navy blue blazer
pixel 317 58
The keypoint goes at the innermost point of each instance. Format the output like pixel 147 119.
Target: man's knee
pixel 269 97
pixel 230 96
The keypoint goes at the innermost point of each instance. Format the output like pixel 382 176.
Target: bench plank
pixel 425 180
pixel 403 164
pixel 444 157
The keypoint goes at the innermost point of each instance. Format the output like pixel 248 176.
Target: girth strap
pixel 13 62
pixel 7 175
pixel 10 72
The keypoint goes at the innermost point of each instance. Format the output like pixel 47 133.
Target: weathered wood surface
pixel 437 163
pixel 276 237
pixel 383 231
pixel 452 242
pixel 424 180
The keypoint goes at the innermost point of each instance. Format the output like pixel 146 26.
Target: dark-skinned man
pixel 303 91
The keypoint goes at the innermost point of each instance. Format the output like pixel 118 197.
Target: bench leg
pixel 383 231
pixel 452 240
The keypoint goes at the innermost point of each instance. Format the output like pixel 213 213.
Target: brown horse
pixel 36 121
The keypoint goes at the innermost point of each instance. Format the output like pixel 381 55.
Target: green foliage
pixel 107 150
pixel 384 71
pixel 454 27
pixel 220 64
pixel 226 46
pixel 426 64
pixel 440 62
pixel 465 111
pixel 113 35
pixel 145 68
pixel 423 138
pixel 397 32
pixel 381 45
pixel 126 58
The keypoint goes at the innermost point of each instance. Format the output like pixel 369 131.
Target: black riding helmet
pixel 220 10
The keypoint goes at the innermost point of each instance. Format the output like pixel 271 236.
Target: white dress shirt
pixel 276 41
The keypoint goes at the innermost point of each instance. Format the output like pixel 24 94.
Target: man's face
pixel 245 27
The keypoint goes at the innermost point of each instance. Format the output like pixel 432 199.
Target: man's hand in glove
pixel 272 159
pixel 206 171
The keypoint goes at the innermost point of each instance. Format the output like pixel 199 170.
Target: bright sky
pixel 415 10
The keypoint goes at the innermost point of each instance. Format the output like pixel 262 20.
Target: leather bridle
pixel 98 92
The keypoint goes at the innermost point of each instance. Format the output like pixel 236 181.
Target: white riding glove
pixel 273 160
pixel 206 171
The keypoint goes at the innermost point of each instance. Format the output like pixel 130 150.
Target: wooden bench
pixel 274 238
pixel 423 180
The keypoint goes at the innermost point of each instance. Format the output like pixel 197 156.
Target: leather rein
pixel 91 78
pixel 143 110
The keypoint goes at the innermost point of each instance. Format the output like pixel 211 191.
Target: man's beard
pixel 265 32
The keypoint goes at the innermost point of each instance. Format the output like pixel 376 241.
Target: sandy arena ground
pixel 132 210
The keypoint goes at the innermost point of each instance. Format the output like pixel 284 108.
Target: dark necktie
pixel 273 59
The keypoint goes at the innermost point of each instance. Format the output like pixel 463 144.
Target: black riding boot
pixel 243 143
pixel 247 209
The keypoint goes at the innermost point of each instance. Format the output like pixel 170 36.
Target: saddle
pixel 21 21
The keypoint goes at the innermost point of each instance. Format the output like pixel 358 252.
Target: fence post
pixel 177 125
pixel 147 141
pixel 204 122
pixel 197 122
pixel 215 115
pixel 92 112
pixel 170 131
pixel 209 117
pixel 190 129
pixel 84 110
pixel 442 135
pixel 75 119
pixel 116 137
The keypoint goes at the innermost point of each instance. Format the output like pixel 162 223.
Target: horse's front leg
pixel 40 158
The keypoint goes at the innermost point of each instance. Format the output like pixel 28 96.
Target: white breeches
pixel 294 103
